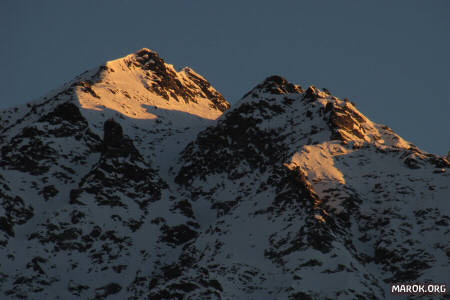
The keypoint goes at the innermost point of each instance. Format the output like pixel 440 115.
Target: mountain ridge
pixel 138 181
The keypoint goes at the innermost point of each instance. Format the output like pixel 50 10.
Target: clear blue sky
pixel 392 58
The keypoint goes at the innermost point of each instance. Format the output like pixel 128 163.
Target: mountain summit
pixel 137 181
pixel 146 80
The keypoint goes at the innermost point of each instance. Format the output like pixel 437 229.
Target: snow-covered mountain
pixel 136 181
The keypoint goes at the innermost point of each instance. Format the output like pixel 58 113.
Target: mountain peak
pixel 144 51
pixel 134 84
pixel 276 98
pixel 276 84
pixel 150 60
pixel 312 92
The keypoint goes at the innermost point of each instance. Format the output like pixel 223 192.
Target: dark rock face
pixel 342 120
pixel 276 85
pixel 86 86
pixel 167 83
pixel 107 290
pixel 113 134
pixel 35 157
pixel 311 94
pixel 115 144
pixel 347 120
pixel 138 176
pixel 65 112
pixel 29 150
pixel 217 99
pixel 238 134
pixel 178 235
pixel 17 213
pixel 412 163
pixel 35 151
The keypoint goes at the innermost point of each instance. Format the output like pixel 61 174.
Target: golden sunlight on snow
pixel 317 162
pixel 126 90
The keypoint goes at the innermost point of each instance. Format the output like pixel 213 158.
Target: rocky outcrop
pixel 276 85
pixel 166 83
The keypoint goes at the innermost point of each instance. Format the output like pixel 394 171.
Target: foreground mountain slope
pixel 306 192
pixel 122 184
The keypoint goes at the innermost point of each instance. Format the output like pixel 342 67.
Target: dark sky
pixel 392 58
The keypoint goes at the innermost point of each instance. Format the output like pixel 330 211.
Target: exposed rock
pixel 277 85
pixel 115 143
